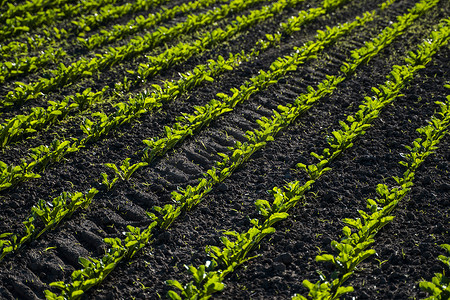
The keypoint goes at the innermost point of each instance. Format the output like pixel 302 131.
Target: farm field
pixel 243 149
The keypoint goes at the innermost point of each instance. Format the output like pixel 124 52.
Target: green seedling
pixel 109 184
pixel 126 169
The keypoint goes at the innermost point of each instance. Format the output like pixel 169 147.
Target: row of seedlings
pixel 353 247
pixel 29 6
pixel 82 24
pixel 18 24
pixel 43 155
pixel 140 23
pixel 28 64
pixel 439 287
pixel 111 12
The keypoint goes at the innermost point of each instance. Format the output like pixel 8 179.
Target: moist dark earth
pixel 406 249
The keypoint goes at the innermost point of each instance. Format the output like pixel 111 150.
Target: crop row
pixel 30 6
pixel 16 49
pixel 44 155
pixel 237 247
pixel 50 214
pixel 23 65
pixel 439 287
pixel 80 25
pixel 352 249
pixel 110 12
pixel 15 127
pixel 140 23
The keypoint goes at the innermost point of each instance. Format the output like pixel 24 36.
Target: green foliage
pixel 27 64
pixel 105 181
pixel 206 279
pixel 439 287
pixel 11 175
pixel 109 11
pixel 142 103
pixel 168 214
pixel 63 206
pixel 125 170
pixel 34 13
pixel 236 252
pixel 85 67
pixel 205 283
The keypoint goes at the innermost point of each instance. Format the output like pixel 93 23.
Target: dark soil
pixel 407 248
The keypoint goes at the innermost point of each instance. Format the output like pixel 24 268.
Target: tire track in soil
pixel 232 293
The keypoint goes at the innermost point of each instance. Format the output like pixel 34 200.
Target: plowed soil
pixel 406 249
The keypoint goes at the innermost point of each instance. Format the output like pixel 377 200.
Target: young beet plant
pixel 439 287
pixel 10 175
pixel 52 213
pixel 10 242
pixel 122 172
